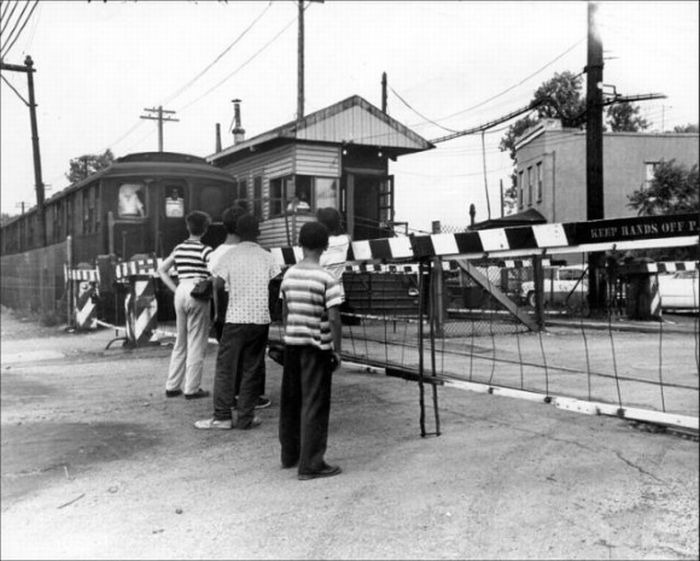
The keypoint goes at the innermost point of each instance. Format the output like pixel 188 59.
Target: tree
pixel 561 99
pixel 624 117
pixel 690 127
pixel 86 165
pixel 674 189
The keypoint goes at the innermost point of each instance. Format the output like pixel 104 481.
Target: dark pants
pixel 238 362
pixel 305 405
pixel 218 326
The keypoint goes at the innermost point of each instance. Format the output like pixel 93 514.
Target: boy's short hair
pixel 230 218
pixel 198 222
pixel 247 226
pixel 330 218
pixel 313 236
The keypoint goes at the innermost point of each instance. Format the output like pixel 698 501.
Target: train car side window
pixel 212 200
pixel 131 200
pixel 174 202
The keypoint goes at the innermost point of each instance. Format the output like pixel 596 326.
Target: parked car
pixel 679 290
pixel 559 283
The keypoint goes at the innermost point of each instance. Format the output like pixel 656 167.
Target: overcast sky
pixel 458 64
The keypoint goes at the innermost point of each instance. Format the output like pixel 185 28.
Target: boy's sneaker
pixel 263 402
pixel 209 424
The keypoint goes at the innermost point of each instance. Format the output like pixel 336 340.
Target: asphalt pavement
pixel 98 464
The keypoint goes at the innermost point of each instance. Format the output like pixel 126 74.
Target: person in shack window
pixel 130 203
pixel 175 204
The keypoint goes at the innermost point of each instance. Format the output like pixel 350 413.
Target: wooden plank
pixel 483 281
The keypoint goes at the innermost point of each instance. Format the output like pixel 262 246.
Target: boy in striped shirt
pixel 312 336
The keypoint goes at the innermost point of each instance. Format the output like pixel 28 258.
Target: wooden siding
pixel 275 163
pixel 356 125
pixel 319 161
pixel 273 232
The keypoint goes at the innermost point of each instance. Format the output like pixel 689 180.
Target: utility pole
pixel 300 63
pixel 384 92
pixel 486 185
pixel 300 60
pixel 159 111
pixel 39 184
pixel 594 153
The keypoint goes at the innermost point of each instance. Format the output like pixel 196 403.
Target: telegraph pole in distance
pixel 29 69
pixel 159 111
pixel 594 153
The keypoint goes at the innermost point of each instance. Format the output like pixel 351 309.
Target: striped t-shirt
pixel 309 293
pixel 191 259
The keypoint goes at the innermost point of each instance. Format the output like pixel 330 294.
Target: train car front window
pixel 212 201
pixel 131 200
pixel 174 202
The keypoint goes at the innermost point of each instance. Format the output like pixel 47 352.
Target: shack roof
pixel 350 121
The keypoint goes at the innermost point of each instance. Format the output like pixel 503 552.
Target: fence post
pixel 539 290
pixel 69 282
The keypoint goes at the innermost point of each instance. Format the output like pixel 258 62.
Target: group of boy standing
pixel 241 272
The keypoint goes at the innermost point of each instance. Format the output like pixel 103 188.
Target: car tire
pixel 531 299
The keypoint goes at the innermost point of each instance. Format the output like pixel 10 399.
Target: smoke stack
pixel 238 132
pixel 217 148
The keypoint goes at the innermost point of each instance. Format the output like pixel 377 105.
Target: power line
pixel 242 65
pixel 567 51
pixel 9 18
pixel 11 36
pixel 9 47
pixel 418 113
pixel 218 58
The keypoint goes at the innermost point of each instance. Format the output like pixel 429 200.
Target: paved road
pixel 97 464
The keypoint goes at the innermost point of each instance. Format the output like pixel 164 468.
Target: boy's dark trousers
pixel 219 330
pixel 305 404
pixel 241 356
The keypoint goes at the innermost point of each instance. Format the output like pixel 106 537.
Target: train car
pixel 135 206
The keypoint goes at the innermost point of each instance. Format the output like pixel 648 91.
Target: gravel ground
pixel 97 464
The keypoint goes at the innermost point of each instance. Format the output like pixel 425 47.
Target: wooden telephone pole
pixel 28 68
pixel 300 60
pixel 159 111
pixel 594 154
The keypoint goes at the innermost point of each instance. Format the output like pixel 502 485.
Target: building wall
pixel 562 154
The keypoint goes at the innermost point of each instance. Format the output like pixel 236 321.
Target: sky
pixel 450 66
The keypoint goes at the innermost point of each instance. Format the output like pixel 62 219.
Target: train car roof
pixel 155 163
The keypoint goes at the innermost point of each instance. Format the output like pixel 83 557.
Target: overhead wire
pixel 9 18
pixel 8 48
pixel 256 54
pixel 218 58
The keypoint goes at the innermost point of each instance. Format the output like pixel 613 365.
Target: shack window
pixel 326 192
pixel 131 200
pixel 240 192
pixel 539 182
pixel 281 189
pixel 212 200
pixel 174 201
pixel 257 197
pixel 521 188
pixel 529 186
pixel 302 197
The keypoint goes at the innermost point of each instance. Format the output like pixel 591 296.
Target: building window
pixel 326 192
pixel 649 172
pixel 539 182
pixel 529 186
pixel 521 188
pixel 257 197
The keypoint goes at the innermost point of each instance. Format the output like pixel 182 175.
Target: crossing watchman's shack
pixel 335 157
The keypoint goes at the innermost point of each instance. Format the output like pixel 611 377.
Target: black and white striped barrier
pixel 619 234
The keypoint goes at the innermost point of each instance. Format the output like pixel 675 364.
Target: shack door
pixel 370 205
